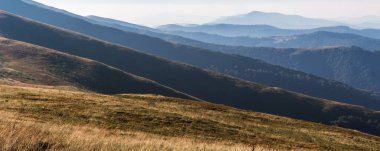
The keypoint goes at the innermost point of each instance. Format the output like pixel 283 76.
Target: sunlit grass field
pixel 45 118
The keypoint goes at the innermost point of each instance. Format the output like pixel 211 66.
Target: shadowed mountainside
pixel 32 64
pixel 253 70
pixel 351 65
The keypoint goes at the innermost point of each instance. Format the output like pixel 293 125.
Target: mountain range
pixel 237 66
pixel 212 87
pixel 261 31
pixel 347 76
pixel 341 64
pixel 351 65
pixel 297 22
pixel 184 79
pixel 275 19
pixel 76 120
pixel 318 39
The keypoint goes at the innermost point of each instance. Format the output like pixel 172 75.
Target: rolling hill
pixel 30 64
pixel 50 119
pixel 351 65
pixel 209 86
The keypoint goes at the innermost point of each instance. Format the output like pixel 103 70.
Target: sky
pixel 158 12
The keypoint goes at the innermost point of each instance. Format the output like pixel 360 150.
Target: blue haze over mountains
pixel 242 67
pixel 161 34
pixel 351 65
pixel 277 20
pixel 259 31
pixel 319 39
pixel 295 21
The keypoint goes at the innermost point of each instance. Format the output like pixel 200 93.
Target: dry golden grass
pixel 26 134
pixel 70 120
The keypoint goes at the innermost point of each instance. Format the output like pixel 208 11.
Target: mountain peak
pixel 262 13
pixel 277 20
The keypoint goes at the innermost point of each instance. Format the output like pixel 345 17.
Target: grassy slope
pixel 32 64
pixel 62 119
pixel 202 84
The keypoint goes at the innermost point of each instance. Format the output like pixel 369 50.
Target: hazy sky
pixel 158 12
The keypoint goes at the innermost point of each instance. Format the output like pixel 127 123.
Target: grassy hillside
pixel 42 119
pixel 27 63
pixel 208 86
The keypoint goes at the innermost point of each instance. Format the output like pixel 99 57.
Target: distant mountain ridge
pixel 297 22
pixel 353 65
pixel 318 39
pixel 260 31
pixel 370 21
pixel 276 20
pixel 232 30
